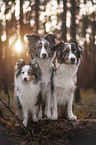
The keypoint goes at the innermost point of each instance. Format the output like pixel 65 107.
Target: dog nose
pixel 44 55
pixel 25 79
pixel 72 59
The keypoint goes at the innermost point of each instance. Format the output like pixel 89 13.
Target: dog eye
pixel 47 46
pixel 74 50
pixel 66 50
pixel 29 72
pixel 23 72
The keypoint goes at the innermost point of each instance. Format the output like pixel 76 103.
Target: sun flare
pixel 18 46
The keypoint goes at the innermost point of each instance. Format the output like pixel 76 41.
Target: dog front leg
pixel 35 119
pixel 25 121
pixel 40 113
pixel 71 116
pixel 55 109
pixel 49 105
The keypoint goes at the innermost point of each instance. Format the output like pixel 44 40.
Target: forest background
pixel 68 19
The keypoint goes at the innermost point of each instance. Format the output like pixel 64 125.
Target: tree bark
pixel 64 29
pixel 1 63
pixel 73 17
pixel 94 47
pixel 21 21
pixel 37 15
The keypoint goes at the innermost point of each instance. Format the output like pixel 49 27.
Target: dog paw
pixel 25 123
pixel 54 117
pixel 49 115
pixel 35 119
pixel 17 125
pixel 72 117
pixel 40 117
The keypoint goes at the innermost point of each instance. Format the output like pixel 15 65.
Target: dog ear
pixel 80 49
pixel 33 38
pixel 35 69
pixel 34 63
pixel 20 63
pixel 51 38
pixel 57 53
pixel 57 46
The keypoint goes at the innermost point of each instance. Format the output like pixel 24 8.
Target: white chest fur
pixel 27 93
pixel 65 79
pixel 46 68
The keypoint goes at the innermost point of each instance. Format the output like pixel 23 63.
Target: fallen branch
pixel 17 119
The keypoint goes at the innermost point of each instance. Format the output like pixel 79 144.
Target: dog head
pixel 68 53
pixel 41 47
pixel 29 72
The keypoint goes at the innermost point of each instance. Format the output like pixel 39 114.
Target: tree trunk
pixel 84 25
pixel 37 15
pixel 1 63
pixel 64 29
pixel 73 36
pixel 94 48
pixel 21 21
pixel 73 17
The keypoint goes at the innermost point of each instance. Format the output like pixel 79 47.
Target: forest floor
pixel 48 132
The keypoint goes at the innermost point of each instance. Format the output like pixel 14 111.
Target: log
pixel 62 131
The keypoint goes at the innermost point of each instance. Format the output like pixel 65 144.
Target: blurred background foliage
pixel 68 19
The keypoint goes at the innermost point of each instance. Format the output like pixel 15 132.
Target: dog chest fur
pixel 27 93
pixel 64 82
pixel 46 69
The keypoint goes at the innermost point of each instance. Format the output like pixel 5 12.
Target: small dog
pixel 40 49
pixel 27 90
pixel 66 62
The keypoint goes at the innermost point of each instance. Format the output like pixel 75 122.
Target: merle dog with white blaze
pixel 66 62
pixel 40 49
pixel 27 90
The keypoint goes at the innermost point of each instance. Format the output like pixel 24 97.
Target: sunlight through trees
pixel 68 19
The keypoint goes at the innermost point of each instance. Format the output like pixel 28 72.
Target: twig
pixel 18 120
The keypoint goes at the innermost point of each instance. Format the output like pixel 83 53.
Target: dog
pixel 27 90
pixel 66 60
pixel 40 49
